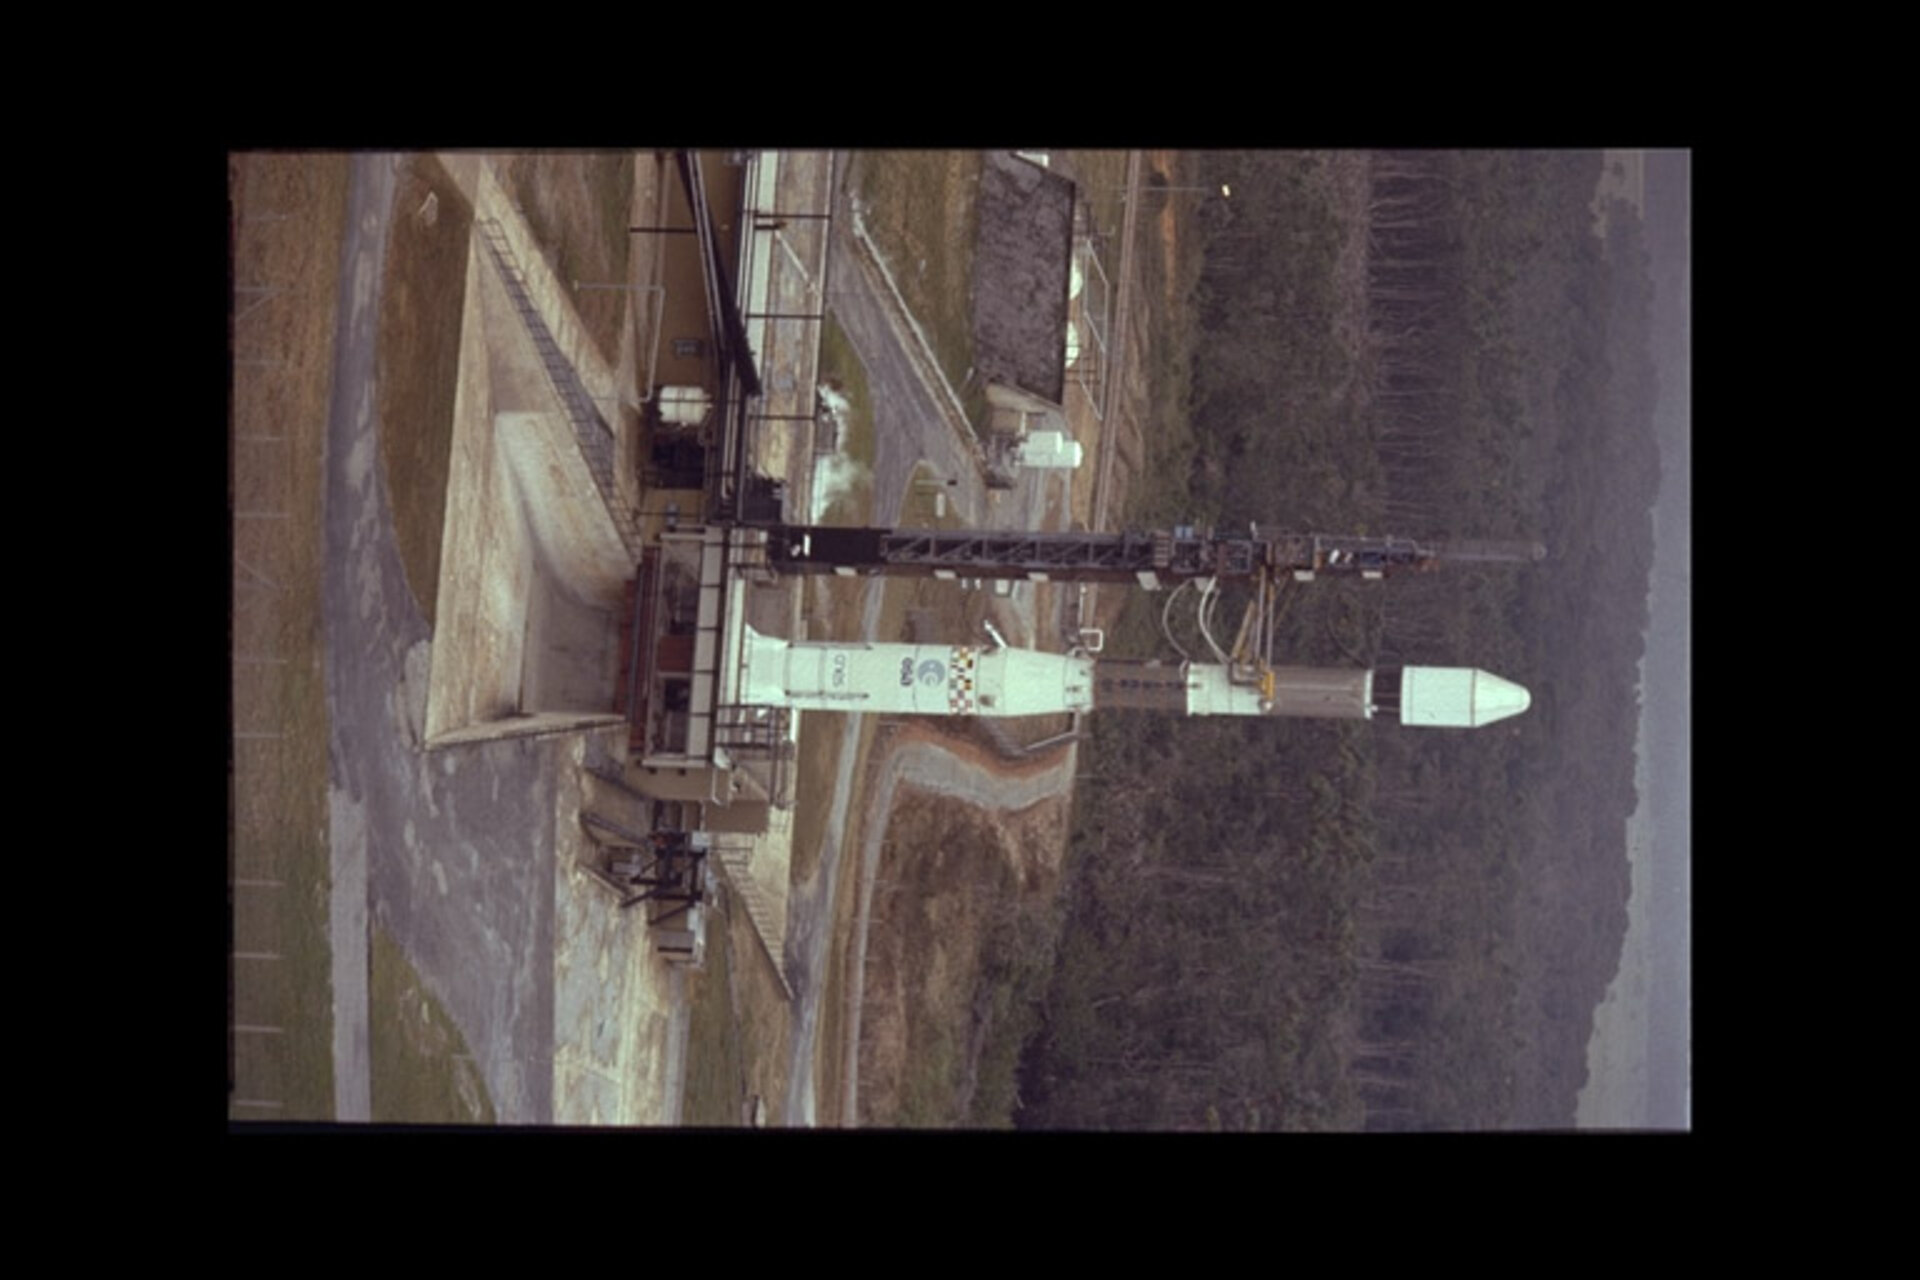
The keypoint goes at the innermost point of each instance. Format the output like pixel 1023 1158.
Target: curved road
pixel 452 853
pixel 912 422
pixel 930 766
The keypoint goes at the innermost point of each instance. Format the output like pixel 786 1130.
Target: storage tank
pixel 1051 449
pixel 684 406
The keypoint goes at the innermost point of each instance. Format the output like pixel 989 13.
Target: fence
pixel 1091 314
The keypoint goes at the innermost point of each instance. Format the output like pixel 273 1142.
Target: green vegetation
pixel 422 1072
pixel 818 759
pixel 1336 925
pixel 957 955
pixel 920 210
pixel 304 975
pixel 1016 964
pixel 716 1042
pixel 421 304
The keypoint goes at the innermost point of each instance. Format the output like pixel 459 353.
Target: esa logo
pixel 931 672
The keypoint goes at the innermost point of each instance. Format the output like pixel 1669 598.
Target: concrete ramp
pixel 537 540
pixel 575 531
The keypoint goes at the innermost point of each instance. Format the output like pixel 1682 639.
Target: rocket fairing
pixel 960 680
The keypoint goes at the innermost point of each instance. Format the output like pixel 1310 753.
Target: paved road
pixel 907 422
pixel 452 852
pixel 910 425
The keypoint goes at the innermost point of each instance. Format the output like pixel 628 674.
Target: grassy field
pixel 288 218
pixel 919 610
pixel 835 602
pixel 422 1072
pixel 419 362
pixel 578 205
pixel 959 951
pixel 730 1002
pixel 716 1079
pixel 821 735
pixel 923 215
pixel 940 860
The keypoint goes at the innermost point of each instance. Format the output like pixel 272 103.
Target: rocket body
pixel 961 680
pixel 916 679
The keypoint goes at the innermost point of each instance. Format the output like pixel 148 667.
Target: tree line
pixel 1318 925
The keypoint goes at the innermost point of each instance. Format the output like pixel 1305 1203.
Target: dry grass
pixel 954 959
pixel 716 1044
pixel 578 205
pixel 821 736
pixel 922 210
pixel 907 605
pixel 1102 177
pixel 419 362
pixel 288 218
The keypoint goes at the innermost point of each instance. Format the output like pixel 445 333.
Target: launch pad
pixel 708 701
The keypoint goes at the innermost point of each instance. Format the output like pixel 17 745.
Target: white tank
pixel 684 406
pixel 1052 449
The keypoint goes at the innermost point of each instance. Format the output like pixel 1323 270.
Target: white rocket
pixel 966 680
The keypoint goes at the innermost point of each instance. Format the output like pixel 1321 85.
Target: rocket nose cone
pixel 1458 697
pixel 1495 698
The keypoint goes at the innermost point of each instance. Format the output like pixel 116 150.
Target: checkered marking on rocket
pixel 960 700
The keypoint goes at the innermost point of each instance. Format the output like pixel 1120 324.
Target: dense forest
pixel 1305 924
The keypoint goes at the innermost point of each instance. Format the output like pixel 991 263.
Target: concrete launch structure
pixel 995 680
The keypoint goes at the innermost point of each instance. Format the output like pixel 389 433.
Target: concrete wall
pixel 530 726
pixel 563 508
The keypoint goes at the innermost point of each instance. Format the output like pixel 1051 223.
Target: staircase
pixel 591 431
pixel 735 854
